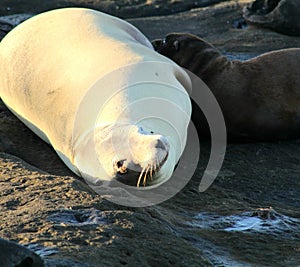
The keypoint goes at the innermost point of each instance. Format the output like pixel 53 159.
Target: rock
pixel 265 213
pixel 15 255
pixel 5 27
pixel 216 24
pixel 279 15
pixel 79 227
pixel 120 8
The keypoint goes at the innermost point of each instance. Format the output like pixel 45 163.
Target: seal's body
pixel 77 78
pixel 260 97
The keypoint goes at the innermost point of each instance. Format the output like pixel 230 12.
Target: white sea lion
pixel 92 86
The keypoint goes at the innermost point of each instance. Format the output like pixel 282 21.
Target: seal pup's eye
pixel 176 45
pixel 164 41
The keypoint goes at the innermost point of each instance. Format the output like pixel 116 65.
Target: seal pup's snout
pixel 171 42
pixel 157 44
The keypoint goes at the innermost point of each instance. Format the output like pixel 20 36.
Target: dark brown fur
pixel 260 98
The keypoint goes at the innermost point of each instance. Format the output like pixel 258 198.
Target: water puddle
pixel 263 221
pixel 262 237
pixel 41 250
pixel 78 217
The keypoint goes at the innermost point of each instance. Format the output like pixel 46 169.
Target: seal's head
pixel 183 48
pixel 134 155
pixel 138 155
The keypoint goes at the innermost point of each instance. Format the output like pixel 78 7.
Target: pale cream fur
pixel 49 63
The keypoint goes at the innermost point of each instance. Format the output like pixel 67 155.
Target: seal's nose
pixel 160 144
pixel 162 151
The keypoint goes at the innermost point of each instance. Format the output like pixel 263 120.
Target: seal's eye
pixel 176 45
pixel 120 166
pixel 164 41
pixel 141 130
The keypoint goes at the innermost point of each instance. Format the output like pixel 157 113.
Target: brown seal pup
pixel 260 97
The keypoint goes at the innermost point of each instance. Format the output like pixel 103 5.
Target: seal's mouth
pixel 149 170
pixel 140 176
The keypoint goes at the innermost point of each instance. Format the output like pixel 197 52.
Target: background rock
pixel 12 254
pixel 279 15
pixel 120 8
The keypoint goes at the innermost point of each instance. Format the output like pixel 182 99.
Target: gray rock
pixel 279 15
pixel 15 255
pixel 5 27
pixel 120 8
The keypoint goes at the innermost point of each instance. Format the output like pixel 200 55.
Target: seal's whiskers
pixel 140 177
pixel 145 176
pixel 148 171
pixel 151 172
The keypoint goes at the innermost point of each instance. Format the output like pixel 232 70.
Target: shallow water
pixel 232 223
pixel 78 218
pixel 244 239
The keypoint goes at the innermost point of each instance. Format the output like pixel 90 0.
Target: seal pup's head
pixel 187 50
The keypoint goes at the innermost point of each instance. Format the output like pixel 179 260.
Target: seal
pixel 92 86
pixel 278 15
pixel 259 98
